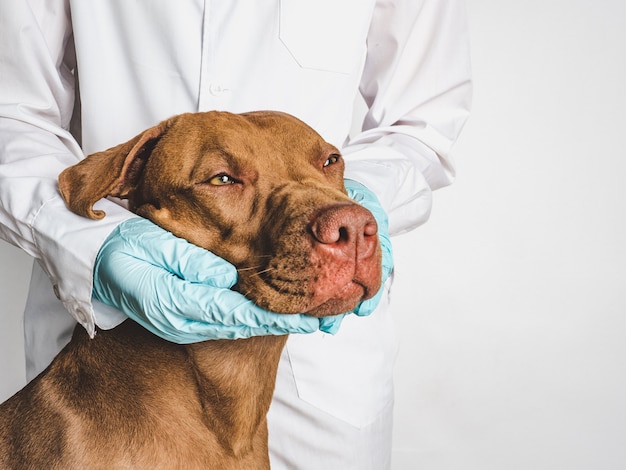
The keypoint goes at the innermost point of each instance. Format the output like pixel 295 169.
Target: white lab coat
pixel 138 62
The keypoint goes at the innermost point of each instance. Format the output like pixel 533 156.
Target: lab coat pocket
pixel 349 375
pixel 327 35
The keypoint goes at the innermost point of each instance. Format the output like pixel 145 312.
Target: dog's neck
pixel 235 380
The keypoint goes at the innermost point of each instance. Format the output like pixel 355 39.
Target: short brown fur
pixel 263 191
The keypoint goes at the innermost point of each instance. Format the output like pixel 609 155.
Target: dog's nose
pixel 348 229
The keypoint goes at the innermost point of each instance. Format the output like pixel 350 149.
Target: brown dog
pixel 265 192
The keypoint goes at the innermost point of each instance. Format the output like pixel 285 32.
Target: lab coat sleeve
pixel 417 89
pixel 36 105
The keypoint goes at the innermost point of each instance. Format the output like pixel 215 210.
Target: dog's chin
pixel 343 300
pixel 319 300
pixel 332 307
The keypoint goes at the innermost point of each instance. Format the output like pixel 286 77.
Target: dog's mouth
pixel 344 299
pixel 330 292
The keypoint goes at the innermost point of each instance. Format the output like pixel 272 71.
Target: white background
pixel 511 301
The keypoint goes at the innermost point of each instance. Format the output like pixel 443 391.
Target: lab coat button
pixel 81 316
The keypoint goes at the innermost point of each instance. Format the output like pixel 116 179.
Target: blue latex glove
pixel 179 291
pixel 367 199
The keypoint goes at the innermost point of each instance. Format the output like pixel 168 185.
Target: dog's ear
pixel 113 172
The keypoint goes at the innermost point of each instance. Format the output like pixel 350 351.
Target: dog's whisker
pixel 263 271
pixel 248 268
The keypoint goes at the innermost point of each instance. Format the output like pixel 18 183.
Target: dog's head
pixel 262 190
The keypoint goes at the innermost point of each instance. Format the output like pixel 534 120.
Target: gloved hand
pixel 179 291
pixel 367 199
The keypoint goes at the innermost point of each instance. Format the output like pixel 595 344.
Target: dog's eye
pixel 221 180
pixel 334 158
